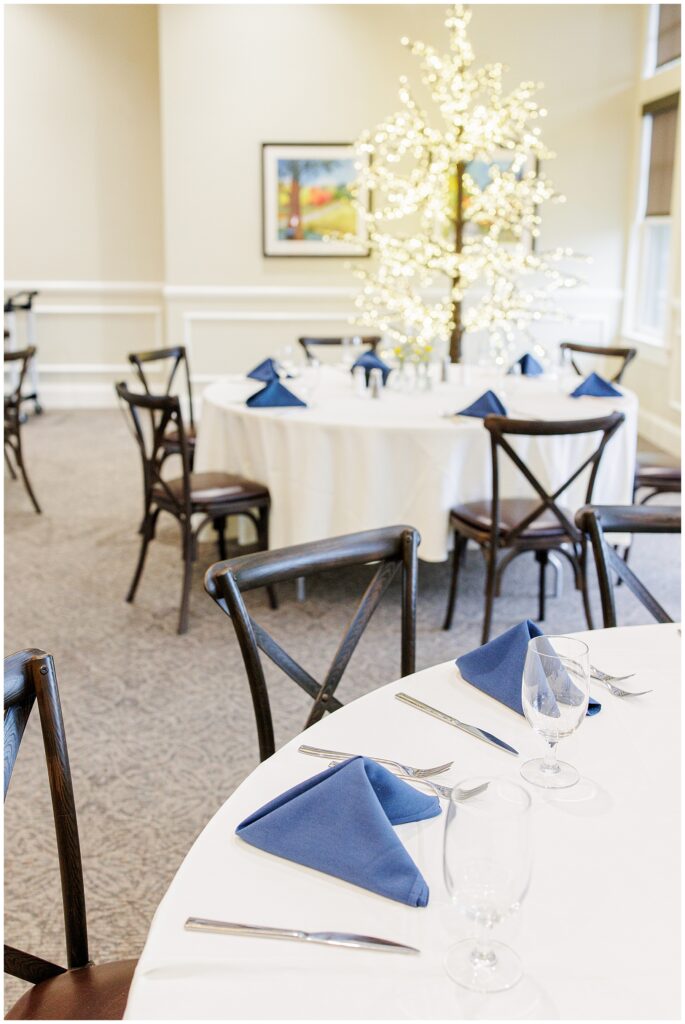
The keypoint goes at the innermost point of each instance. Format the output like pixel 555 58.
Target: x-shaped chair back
pixel 391 548
pixel 626 356
pixel 594 520
pixel 178 356
pixel 23 356
pixel 30 678
pixel 164 411
pixel 501 427
pixel 372 341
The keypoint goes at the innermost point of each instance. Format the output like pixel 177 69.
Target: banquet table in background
pixel 598 931
pixel 348 463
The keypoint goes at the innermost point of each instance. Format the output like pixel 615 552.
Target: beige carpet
pixel 160 727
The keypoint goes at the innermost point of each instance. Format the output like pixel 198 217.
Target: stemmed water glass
pixel 555 693
pixel 487 865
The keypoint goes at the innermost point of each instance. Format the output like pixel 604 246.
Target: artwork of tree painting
pixel 314 212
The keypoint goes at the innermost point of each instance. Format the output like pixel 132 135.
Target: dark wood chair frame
pixel 30 678
pixel 625 354
pixel 165 412
pixel 373 341
pixel 596 520
pixel 180 357
pixel 13 424
pixel 391 547
pixel 669 484
pixel 495 539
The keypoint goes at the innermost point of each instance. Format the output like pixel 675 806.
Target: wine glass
pixel 487 865
pixel 555 693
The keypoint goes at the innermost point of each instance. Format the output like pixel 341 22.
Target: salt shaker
pixel 445 370
pixel 359 375
pixel 376 382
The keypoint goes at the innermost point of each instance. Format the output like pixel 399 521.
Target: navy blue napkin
pixel 370 361
pixel 267 371
pixel 597 387
pixel 530 367
pixel 484 406
pixel 496 668
pixel 340 822
pixel 273 394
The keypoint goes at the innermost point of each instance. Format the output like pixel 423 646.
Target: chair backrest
pixel 24 357
pixel 390 547
pixel 164 411
pixel 177 355
pixel 626 355
pixel 502 427
pixel 30 677
pixel 372 341
pixel 596 520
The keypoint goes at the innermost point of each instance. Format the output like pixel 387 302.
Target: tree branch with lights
pixel 436 229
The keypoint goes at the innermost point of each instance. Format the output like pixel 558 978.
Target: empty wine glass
pixel 487 865
pixel 555 693
pixel 287 361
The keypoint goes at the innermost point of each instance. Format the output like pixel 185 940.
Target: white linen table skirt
pixel 598 931
pixel 347 463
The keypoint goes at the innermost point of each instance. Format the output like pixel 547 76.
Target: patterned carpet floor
pixel 160 727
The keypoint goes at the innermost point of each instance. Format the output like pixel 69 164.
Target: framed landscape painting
pixel 307 201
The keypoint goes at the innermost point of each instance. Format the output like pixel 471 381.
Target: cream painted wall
pixel 86 95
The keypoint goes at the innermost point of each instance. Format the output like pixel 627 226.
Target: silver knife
pixel 472 730
pixel 201 924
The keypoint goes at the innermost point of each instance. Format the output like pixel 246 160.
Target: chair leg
pixel 542 557
pixel 220 527
pixel 188 558
pixel 22 470
pixel 490 583
pixel 585 589
pixel 147 531
pixel 9 465
pixel 458 549
pixel 263 539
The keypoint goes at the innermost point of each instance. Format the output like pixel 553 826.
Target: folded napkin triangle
pixel 267 370
pixel 496 668
pixel 340 822
pixel 370 361
pixel 273 394
pixel 596 387
pixel 530 367
pixel 487 404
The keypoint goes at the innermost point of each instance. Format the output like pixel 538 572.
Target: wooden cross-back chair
pixel 79 990
pixel 393 547
pixel 12 420
pixel 178 357
pixel 596 520
pixel 518 525
pixel 213 497
pixel 371 341
pixel 625 355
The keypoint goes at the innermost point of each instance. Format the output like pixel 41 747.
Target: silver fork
pixel 602 677
pixel 435 787
pixel 415 773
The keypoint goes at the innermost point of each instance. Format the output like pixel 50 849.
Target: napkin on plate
pixel 496 668
pixel 596 387
pixel 530 367
pixel 485 405
pixel 273 394
pixel 340 822
pixel 370 361
pixel 267 371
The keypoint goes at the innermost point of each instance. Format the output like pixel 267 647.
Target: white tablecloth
pixel 598 932
pixel 348 463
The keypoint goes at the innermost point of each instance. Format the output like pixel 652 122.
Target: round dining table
pixel 349 462
pixel 598 931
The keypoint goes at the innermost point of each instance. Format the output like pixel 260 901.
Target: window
pixel 653 228
pixel 667 34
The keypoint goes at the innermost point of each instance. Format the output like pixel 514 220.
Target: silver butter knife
pixel 472 730
pixel 201 924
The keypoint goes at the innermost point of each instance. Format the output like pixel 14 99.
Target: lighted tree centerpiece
pixel 456 208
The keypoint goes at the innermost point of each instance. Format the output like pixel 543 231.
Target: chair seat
pixel 478 516
pixel 208 489
pixel 171 440
pixel 89 993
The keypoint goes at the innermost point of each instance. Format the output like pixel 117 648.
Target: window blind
pixel 664 117
pixel 668 34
